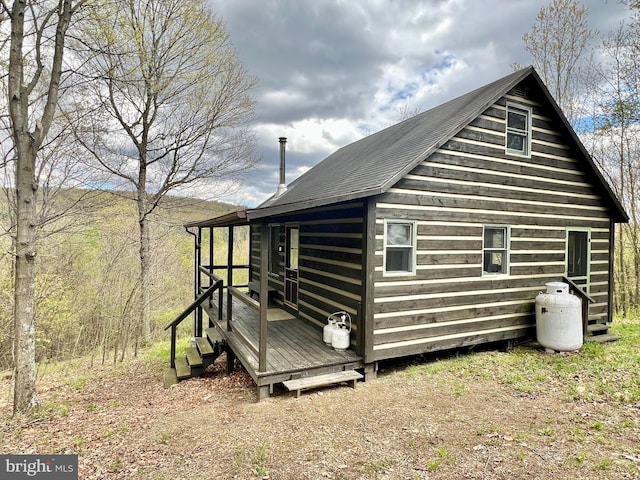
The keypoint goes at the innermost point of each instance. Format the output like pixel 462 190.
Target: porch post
pixel 264 304
pixel 197 327
pixel 612 259
pixel 230 257
pixel 211 253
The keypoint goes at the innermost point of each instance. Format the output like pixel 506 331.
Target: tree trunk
pixel 24 349
pixel 145 269
pixel 27 143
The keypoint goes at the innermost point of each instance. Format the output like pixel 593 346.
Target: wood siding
pixel 330 262
pixel 467 183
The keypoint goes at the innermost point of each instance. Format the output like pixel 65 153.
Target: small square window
pixel 495 250
pixel 399 248
pixel 518 130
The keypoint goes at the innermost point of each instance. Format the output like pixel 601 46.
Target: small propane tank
pixel 341 335
pixel 559 318
pixel 329 328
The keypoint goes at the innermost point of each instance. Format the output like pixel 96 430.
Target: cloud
pixel 332 71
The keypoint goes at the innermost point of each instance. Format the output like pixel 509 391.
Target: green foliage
pixel 88 278
pixel 260 460
pixel 597 371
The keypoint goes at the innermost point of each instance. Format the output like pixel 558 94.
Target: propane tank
pixel 341 335
pixel 329 328
pixel 559 318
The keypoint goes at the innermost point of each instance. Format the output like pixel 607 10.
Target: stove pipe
pixel 282 186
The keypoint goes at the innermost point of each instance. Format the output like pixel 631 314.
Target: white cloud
pixel 331 71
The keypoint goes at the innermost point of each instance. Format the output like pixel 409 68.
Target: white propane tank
pixel 559 318
pixel 341 335
pixel 329 328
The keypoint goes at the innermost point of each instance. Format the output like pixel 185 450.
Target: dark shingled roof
pixel 375 163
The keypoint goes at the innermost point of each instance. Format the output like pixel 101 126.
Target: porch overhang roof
pixel 239 217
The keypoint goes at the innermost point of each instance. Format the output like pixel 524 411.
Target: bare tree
pixel 616 145
pixel 172 106
pixel 35 69
pixel 559 44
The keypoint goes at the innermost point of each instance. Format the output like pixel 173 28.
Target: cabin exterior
pixel 439 232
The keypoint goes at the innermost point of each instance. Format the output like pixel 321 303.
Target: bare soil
pixel 445 425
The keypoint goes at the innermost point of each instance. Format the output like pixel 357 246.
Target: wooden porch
pixel 273 345
pixel 294 348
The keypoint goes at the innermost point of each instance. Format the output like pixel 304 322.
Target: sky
pixel 330 72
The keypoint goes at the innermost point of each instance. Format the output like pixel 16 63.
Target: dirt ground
pixel 445 425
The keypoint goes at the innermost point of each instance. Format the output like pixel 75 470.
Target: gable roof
pixel 373 164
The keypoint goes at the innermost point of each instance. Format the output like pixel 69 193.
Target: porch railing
pixel 232 293
pixel 586 300
pixel 207 294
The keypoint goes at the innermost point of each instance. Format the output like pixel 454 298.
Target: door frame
pixel 291 275
pixel 583 280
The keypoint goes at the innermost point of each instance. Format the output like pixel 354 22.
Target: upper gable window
pixel 518 130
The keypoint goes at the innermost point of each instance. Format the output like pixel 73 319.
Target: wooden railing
pixel 586 300
pixel 207 294
pixel 232 293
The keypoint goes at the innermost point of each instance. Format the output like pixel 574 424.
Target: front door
pixel 578 256
pixel 291 267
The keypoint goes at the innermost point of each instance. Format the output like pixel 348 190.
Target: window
pixel 577 250
pixel 293 243
pixel 399 247
pixel 578 253
pixel 518 130
pixel 495 250
pixel 274 249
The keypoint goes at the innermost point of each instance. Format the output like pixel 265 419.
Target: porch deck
pixel 294 347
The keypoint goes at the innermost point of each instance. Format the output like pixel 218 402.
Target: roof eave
pixel 237 217
pixel 260 213
pixel 457 128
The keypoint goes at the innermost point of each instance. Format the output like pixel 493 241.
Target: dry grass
pixel 485 415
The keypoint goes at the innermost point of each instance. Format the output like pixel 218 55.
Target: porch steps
pixel 196 360
pixel 193 357
pixel 213 335
pixel 306 383
pixel 183 370
pixel 603 338
pixel 599 332
pixel 597 328
pixel 204 347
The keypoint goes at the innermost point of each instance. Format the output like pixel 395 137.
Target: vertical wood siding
pixel 467 183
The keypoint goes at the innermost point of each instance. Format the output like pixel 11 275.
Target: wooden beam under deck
pixel 294 347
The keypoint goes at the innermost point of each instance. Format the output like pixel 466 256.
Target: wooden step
pixel 204 347
pixel 193 357
pixel 182 369
pixel 213 335
pixel 299 384
pixel 597 328
pixel 603 338
pixel 170 377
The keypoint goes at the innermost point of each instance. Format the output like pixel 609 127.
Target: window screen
pixel 518 130
pixel 495 250
pixel 399 247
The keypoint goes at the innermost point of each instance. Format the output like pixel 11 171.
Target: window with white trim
pixel 399 247
pixel 495 250
pixel 518 130
pixel 275 248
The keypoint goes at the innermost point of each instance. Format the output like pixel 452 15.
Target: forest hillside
pixel 88 273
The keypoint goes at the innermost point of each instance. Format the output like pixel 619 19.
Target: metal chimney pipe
pixel 282 186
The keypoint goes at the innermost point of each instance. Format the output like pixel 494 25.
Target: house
pixel 435 233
